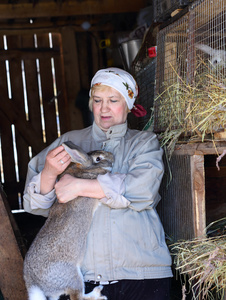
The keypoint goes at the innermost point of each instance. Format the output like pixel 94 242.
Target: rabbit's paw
pixel 95 294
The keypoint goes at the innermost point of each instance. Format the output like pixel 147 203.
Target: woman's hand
pixel 57 160
pixel 69 188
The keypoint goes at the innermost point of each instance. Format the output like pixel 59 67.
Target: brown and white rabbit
pixel 52 263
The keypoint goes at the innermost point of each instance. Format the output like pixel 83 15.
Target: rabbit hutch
pixel 185 92
pixel 186 105
pixel 50 50
pixel 190 115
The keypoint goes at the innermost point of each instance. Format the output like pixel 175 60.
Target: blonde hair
pixel 100 88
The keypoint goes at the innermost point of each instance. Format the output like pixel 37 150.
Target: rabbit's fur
pixel 217 57
pixel 52 263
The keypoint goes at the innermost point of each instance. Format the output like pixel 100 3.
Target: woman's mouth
pixel 105 118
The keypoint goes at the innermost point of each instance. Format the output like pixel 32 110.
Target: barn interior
pixel 50 50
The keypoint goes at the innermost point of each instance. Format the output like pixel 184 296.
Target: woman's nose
pixel 104 106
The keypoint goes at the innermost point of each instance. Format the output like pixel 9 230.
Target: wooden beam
pixel 28 53
pixel 198 194
pixel 11 276
pixel 69 8
pixel 46 25
pixel 206 148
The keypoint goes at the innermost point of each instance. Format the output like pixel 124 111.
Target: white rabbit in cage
pixel 217 57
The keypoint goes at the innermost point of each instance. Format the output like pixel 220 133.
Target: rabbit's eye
pixel 217 61
pixel 97 159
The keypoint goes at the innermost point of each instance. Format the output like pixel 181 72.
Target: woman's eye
pixel 96 100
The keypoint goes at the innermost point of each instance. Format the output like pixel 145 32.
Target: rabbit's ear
pixel 77 154
pixel 206 49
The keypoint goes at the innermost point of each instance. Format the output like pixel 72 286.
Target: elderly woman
pixel 126 250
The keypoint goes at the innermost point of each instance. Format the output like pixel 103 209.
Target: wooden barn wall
pixel 32 91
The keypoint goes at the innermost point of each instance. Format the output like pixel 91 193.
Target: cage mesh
pixel 191 71
pixel 143 69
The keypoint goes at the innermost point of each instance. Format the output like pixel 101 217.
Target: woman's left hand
pixel 66 188
pixel 69 188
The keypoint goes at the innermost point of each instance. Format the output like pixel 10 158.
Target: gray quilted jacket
pixel 126 239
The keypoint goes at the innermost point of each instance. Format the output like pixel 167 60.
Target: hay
pixel 192 110
pixel 203 260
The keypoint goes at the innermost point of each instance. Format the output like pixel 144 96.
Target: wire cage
pixel 191 72
pixel 143 69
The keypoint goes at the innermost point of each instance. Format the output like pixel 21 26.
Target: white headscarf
pixel 120 80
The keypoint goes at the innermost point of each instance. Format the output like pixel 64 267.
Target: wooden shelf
pixel 205 148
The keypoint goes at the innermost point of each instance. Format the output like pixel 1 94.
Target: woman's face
pixel 109 108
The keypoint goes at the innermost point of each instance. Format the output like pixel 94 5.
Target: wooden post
pixel 12 284
pixel 198 194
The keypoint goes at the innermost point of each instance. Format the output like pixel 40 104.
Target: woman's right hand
pixel 57 160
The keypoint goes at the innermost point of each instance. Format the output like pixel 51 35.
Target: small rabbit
pixel 52 263
pixel 217 57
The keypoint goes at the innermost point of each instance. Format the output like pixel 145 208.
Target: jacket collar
pixel 113 132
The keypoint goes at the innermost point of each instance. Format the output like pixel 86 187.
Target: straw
pixel 191 111
pixel 203 261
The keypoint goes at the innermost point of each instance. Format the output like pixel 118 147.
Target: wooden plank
pixel 28 53
pixel 8 160
pixel 18 100
pixel 47 91
pixel 33 99
pixel 11 276
pixel 55 25
pixel 72 74
pixel 84 58
pixel 26 129
pixel 1 43
pixel 68 8
pixel 64 116
pixel 198 194
pixel 6 136
pixel 16 230
pixel 200 148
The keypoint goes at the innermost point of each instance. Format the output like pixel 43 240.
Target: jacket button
pixel 99 277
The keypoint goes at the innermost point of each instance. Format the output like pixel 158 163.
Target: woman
pixel 126 250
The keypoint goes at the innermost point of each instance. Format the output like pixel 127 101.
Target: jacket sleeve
pixel 33 201
pixel 138 189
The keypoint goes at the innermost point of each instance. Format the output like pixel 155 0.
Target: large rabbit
pixel 52 263
pixel 217 57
